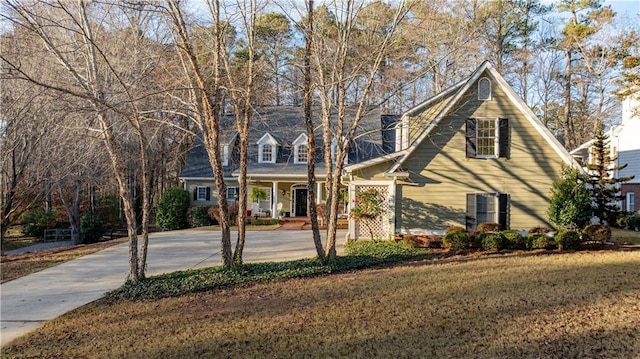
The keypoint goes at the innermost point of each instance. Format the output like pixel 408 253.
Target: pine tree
pixel 605 187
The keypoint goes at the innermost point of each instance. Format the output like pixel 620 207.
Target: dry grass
pixel 16 266
pixel 570 305
pixel 623 236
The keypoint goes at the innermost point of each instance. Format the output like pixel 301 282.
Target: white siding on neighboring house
pixel 626 139
pixel 632 160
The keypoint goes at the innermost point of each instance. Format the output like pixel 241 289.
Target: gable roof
pixel 462 88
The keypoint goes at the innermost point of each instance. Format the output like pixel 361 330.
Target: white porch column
pixel 319 193
pixel 274 199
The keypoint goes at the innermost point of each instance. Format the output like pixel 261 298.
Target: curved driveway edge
pixel 27 302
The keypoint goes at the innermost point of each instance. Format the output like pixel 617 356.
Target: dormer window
pixel 301 149
pixel 267 149
pixel 484 89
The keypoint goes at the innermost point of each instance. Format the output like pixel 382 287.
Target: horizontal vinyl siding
pixel 443 175
pixel 419 122
pixel 632 160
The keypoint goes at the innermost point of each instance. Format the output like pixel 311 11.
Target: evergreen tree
pixel 570 203
pixel 605 187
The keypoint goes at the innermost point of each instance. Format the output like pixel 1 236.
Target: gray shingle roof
pixel 285 124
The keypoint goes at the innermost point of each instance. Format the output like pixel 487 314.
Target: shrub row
pixel 487 238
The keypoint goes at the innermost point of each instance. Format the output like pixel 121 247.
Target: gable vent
pixel 484 89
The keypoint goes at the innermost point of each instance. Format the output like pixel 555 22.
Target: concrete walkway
pixel 27 302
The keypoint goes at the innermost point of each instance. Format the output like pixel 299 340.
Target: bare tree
pixel 205 92
pixel 89 64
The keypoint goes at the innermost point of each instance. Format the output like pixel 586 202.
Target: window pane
pixel 486 137
pixel 202 193
pixel 267 153
pixel 303 153
pixel 486 208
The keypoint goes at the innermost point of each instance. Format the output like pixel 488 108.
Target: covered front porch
pixel 285 198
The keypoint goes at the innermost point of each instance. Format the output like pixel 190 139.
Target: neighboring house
pixel 624 145
pixel 474 153
pixel 277 156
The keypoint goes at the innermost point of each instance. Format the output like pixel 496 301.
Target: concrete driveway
pixel 27 302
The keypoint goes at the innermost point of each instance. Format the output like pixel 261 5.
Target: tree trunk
pixel 308 119
pixel 568 127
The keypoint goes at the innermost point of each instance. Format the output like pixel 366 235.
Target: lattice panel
pixel 380 225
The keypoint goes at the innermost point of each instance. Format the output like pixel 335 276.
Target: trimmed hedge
pixel 456 240
pixel 514 240
pixel 491 241
pixel 172 209
pixel 568 239
pixel 199 217
pixel 537 241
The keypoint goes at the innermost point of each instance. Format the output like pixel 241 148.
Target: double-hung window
pixel 202 193
pixel 267 153
pixel 232 194
pixel 487 138
pixel 267 147
pixel 631 201
pixel 487 207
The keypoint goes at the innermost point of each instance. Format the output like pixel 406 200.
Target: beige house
pixel 474 153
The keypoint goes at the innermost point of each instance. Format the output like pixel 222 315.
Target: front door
pixel 300 202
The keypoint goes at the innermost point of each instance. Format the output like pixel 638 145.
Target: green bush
pixel 570 203
pixel 568 239
pixel 456 240
pixel 514 240
pixel 537 241
pixel 199 217
pixel 491 241
pixel 488 227
pixel 172 209
pixel 36 221
pixel 597 232
pixel 90 228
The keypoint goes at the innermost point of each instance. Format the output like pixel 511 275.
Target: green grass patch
pixel 360 254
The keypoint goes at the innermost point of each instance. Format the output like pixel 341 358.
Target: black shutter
pixel 504 138
pixel 208 193
pixel 471 212
pixel 471 138
pixel 195 194
pixel 503 211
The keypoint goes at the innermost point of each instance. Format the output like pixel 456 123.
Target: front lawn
pixel 623 236
pixel 519 305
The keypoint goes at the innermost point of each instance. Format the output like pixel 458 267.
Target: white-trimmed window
pixel 232 194
pixel 631 201
pixel 202 193
pixel 487 137
pixel 486 207
pixel 267 146
pixel 301 149
pixel 484 89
